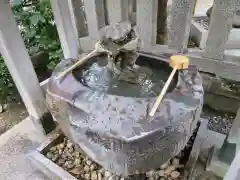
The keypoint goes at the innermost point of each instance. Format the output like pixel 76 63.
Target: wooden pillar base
pixel 227 152
pixel 215 165
pixel 48 122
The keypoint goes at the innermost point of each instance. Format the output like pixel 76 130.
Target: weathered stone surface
pixel 14 145
pixel 220 94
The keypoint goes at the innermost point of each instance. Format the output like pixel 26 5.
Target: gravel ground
pixel 83 168
pixel 218 121
pixel 65 155
pixel 13 113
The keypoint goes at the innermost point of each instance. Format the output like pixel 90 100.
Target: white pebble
pixel 89 162
pixel 165 165
pixel 77 162
pixel 60 151
pixel 161 173
pixel 180 166
pixel 94 175
pixel 99 176
pixel 169 170
pixel 66 163
pixel 76 171
pixel 49 155
pixel 61 162
pixel 77 154
pixel 150 173
pixel 87 176
pixel 55 158
pixel 101 171
pixel 69 145
pixel 92 167
pixel 61 145
pixel 54 148
pixel 175 162
pixel 86 168
pixel 175 174
pixel 70 150
pixel 107 174
pixel 113 177
pixel 137 172
pixel 70 166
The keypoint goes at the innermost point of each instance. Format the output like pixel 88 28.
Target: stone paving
pixel 15 144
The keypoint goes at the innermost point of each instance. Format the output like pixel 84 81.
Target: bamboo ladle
pixel 176 62
pixel 98 49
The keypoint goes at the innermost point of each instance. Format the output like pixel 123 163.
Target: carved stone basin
pixel 109 120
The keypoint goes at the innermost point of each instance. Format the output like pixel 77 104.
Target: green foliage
pixel 38 29
pixel 35 21
pixel 6 82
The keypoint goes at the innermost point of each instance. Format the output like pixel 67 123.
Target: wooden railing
pixel 143 14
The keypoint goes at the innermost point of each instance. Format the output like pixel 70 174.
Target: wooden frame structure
pixel 71 25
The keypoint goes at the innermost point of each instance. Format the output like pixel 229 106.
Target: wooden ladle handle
pixel 78 63
pixel 163 92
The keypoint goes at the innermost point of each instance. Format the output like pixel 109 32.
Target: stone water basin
pixel 107 116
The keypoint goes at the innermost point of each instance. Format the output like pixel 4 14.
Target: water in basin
pixel 146 80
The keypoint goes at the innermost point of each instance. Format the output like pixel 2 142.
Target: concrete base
pixel 215 165
pixel 14 145
pixel 54 171
pixel 49 168
pixel 204 140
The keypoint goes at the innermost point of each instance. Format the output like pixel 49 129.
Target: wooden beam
pixel 229 68
pixel 78 17
pixel 94 10
pixel 234 169
pixel 16 57
pixel 147 21
pixel 234 134
pixel 181 16
pixel 118 10
pixel 219 28
pixel 65 27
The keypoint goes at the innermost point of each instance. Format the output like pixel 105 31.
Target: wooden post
pixel 118 10
pixel 94 10
pixel 234 134
pixel 234 169
pixel 65 27
pixel 181 15
pixel 219 28
pixel 147 21
pixel 78 17
pixel 132 11
pixel 19 64
pixel 162 22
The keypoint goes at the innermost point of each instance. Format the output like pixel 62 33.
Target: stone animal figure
pixel 121 43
